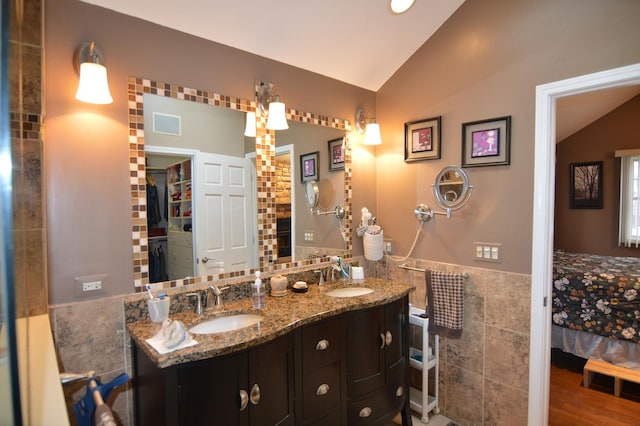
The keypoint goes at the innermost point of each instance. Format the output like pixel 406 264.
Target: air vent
pixel 166 124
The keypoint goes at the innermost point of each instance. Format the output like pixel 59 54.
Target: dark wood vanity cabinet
pixel 254 387
pixel 377 358
pixel 350 369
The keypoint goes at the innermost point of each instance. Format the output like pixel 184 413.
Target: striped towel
pixel 445 301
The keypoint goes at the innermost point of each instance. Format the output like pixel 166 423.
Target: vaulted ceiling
pixel 360 42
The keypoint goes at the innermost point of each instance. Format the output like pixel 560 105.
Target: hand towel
pixel 445 302
pixel 172 337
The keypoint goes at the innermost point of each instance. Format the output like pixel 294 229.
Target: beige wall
pixel 86 150
pixel 485 62
pixel 595 230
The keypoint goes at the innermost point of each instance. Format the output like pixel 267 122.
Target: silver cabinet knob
pixel 365 412
pixel 323 389
pixel 382 341
pixel 322 345
pixel 244 399
pixel 400 391
pixel 255 394
pixel 388 338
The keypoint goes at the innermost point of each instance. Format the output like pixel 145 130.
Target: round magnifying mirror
pixel 451 188
pixel 312 194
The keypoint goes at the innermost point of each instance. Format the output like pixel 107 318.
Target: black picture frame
pixel 422 139
pixel 486 142
pixel 585 185
pixel 309 167
pixel 336 154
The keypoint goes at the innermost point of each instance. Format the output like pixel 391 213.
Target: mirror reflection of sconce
pixel 250 126
pixel 371 130
pixel 451 191
pixel 93 86
pixel 271 105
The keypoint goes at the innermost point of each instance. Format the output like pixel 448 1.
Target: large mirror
pixel 174 132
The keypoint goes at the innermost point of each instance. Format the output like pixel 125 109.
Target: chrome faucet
pixel 217 293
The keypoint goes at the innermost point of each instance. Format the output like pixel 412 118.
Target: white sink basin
pixel 349 292
pixel 228 323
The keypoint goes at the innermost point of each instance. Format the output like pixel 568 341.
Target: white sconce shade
pixel 277 119
pixel 371 130
pixel 372 135
pixel 93 87
pixel 250 126
pixel 400 6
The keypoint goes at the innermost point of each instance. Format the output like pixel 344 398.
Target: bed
pixel 596 307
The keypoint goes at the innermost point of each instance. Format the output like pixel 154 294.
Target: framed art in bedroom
pixel 585 185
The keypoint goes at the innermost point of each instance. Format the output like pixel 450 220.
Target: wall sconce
pixel 93 87
pixel 271 105
pixel 372 134
pixel 250 126
pixel 400 6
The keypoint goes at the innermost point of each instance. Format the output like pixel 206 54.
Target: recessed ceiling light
pixel 400 6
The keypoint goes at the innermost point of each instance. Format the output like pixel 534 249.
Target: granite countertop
pixel 281 315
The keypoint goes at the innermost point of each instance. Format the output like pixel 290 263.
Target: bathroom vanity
pixel 314 360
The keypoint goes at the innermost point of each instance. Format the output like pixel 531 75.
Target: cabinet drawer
pixel 320 344
pixel 321 392
pixel 369 409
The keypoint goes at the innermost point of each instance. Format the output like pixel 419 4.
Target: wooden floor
pixel 571 404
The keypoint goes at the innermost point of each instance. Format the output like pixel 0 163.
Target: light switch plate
pixel 487 252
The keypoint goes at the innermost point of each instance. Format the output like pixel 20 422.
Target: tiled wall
pixel 484 375
pixel 29 233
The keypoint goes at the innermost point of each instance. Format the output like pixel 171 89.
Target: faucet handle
pixel 198 309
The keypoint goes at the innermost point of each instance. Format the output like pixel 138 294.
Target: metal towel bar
pixel 412 268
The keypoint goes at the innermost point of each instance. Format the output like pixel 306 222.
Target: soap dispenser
pixel 258 293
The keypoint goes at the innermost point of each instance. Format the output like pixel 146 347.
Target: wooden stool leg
pixel 587 376
pixel 617 386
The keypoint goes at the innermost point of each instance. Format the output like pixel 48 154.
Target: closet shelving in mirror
pixel 179 196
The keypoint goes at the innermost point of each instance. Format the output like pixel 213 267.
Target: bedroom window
pixel 629 228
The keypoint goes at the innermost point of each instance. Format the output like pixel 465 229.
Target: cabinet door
pixel 394 331
pixel 365 351
pixel 270 385
pixel 209 391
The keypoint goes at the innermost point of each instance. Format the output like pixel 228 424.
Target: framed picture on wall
pixel 486 142
pixel 309 167
pixel 585 185
pixel 336 155
pixel 422 139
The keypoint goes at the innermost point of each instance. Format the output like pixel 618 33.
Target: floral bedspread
pixel 597 294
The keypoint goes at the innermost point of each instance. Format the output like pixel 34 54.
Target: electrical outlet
pixel 92 286
pixel 308 235
pixel 89 285
pixel 387 246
